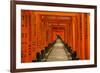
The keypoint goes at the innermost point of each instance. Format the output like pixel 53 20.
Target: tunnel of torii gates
pixel 39 28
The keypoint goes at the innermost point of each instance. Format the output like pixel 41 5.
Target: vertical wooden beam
pixel 65 33
pixel 33 34
pixel 73 33
pixel 37 32
pixel 78 36
pixel 68 33
pixel 87 36
pixel 83 38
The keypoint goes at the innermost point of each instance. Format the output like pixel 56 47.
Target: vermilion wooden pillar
pixel 33 36
pixel 38 33
pixel 74 34
pixel 30 37
pixel 87 36
pixel 83 37
pixel 67 34
pixel 42 32
pixel 70 34
pixel 65 31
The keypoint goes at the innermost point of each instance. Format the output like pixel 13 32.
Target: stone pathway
pixel 58 52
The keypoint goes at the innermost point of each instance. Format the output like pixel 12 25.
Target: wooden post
pixel 73 33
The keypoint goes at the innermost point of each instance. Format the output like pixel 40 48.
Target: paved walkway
pixel 58 52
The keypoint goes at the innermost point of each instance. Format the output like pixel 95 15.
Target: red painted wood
pixel 38 29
